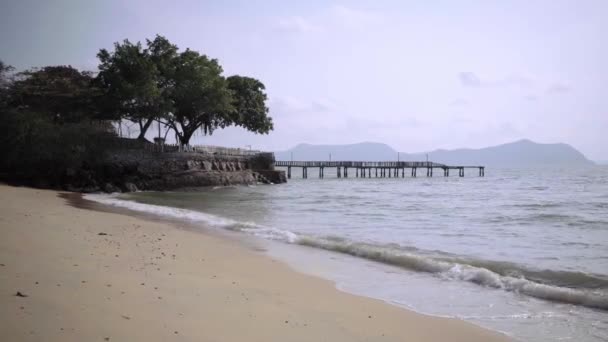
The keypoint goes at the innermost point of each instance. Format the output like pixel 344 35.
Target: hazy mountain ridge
pixel 518 153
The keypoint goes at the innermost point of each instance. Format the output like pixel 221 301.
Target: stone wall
pixel 130 170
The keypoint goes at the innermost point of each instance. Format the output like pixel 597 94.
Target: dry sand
pixel 151 281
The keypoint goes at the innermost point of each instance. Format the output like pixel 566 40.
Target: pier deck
pixel 382 169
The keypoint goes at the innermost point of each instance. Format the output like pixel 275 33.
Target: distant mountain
pixel 516 154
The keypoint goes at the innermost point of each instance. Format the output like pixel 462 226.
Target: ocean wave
pixel 575 288
pixel 195 216
pixel 589 293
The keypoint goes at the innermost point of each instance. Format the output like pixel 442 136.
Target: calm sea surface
pixel 520 251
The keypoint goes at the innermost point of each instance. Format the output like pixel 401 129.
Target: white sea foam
pixel 213 221
pixel 488 275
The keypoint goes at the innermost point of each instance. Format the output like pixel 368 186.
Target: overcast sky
pixel 417 75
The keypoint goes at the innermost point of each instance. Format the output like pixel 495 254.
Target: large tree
pixel 4 83
pixel 129 78
pixel 249 102
pixel 186 90
pixel 200 96
pixel 4 70
pixel 62 93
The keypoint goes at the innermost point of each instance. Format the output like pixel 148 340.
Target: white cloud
pixel 559 88
pixel 470 79
pixel 296 24
pixel 289 105
pixel 354 17
pixel 459 103
pixel 531 97
pixel 329 19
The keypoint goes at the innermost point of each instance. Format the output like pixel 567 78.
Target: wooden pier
pixel 381 169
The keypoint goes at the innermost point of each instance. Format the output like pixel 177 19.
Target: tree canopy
pixel 128 77
pixel 186 90
pixel 4 82
pixel 249 104
pixel 200 96
pixel 62 93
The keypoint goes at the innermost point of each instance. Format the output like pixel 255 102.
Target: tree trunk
pixel 184 138
pixel 143 128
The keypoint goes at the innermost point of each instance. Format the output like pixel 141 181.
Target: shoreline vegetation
pixel 62 125
pixel 72 274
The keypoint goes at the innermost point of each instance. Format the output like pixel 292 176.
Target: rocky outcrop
pixel 132 170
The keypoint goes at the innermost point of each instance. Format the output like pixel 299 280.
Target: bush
pixel 38 151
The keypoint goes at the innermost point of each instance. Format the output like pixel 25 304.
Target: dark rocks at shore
pixel 139 169
pixel 128 171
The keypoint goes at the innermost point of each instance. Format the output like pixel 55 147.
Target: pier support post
pixel 345 172
pixel 461 172
pixel 403 173
pixel 304 173
pixel 357 173
pixel 289 172
pixel 339 172
pixel 376 172
pixel 414 172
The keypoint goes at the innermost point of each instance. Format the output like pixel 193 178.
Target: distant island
pixel 521 153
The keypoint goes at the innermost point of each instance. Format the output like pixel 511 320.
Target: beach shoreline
pixel 103 275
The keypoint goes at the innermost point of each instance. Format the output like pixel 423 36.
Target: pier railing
pixel 364 169
pixel 142 145
pixel 361 164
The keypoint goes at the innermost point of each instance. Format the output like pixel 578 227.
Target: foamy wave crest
pixel 586 290
pixel 196 216
pixel 450 269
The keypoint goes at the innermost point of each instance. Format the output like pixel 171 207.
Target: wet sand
pixel 99 276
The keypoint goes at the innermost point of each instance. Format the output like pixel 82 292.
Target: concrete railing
pixel 133 144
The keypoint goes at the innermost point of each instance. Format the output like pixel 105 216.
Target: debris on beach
pixel 19 294
pixel 102 233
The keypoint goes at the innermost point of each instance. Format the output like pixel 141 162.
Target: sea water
pixel 523 251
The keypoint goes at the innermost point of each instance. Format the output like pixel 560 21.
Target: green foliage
pixel 128 77
pixel 38 149
pixel 4 83
pixel 4 70
pixel 200 96
pixel 186 90
pixel 249 102
pixel 62 93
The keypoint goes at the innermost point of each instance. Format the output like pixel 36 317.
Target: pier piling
pixel 381 169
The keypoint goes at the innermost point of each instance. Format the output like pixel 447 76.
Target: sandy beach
pixel 86 275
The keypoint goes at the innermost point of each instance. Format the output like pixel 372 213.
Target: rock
pixel 72 188
pixel 133 170
pixel 91 188
pixel 19 294
pixel 129 187
pixel 272 176
pixel 191 165
pixel 110 188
